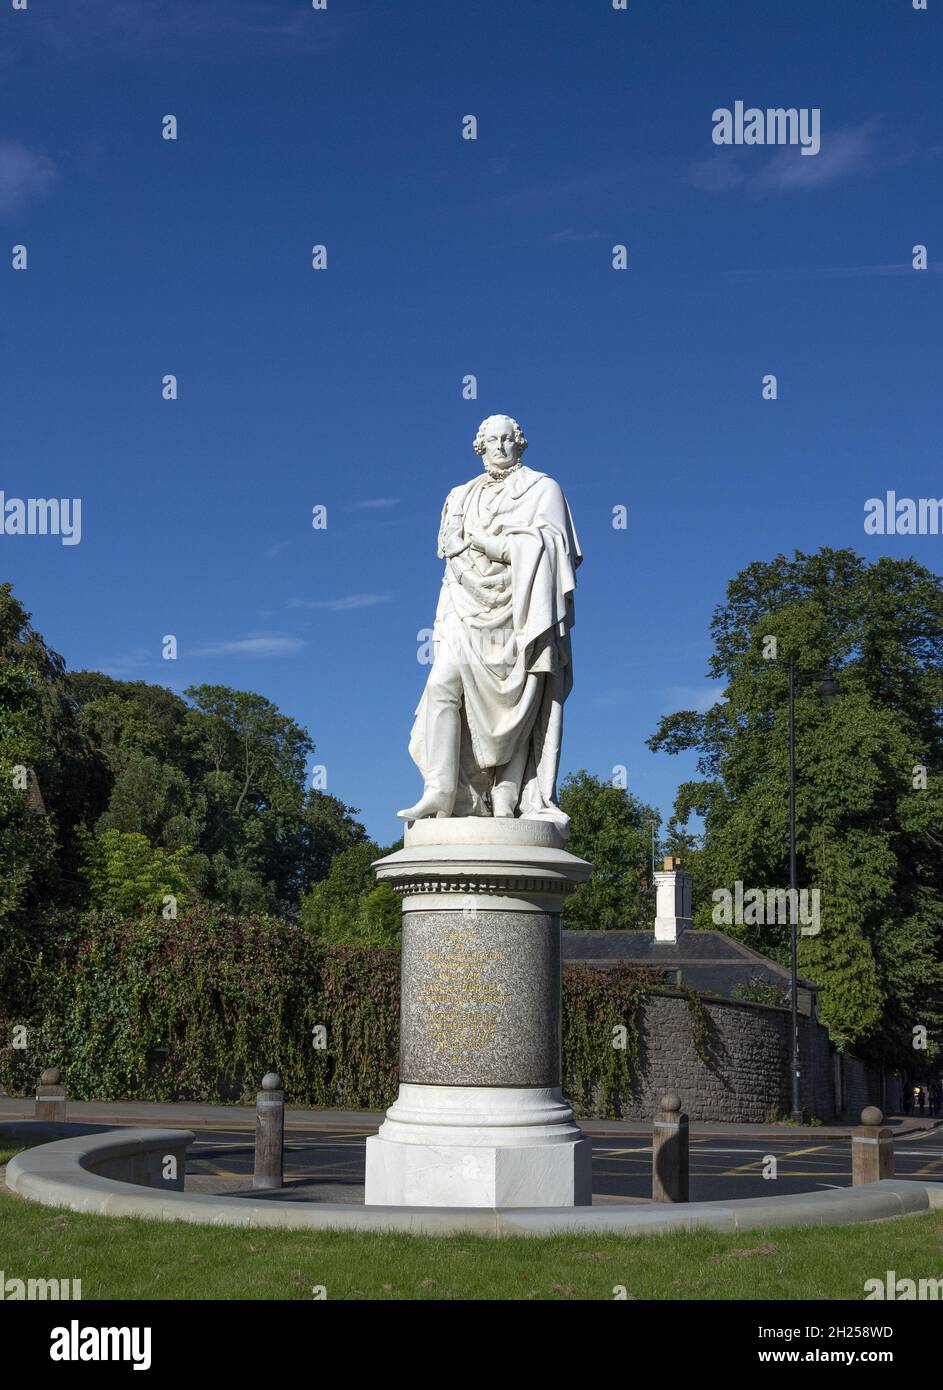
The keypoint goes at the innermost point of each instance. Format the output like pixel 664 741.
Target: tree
pixel 349 907
pixel 129 875
pixel 44 767
pixel 254 767
pixel 223 774
pixel 609 827
pixel 220 774
pixel 868 820
pixel 327 828
pixel 28 848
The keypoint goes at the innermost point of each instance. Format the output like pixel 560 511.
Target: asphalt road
pixel 329 1164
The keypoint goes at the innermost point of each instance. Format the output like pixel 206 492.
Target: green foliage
pixel 27 852
pixel 348 906
pixel 758 990
pixel 154 799
pixel 597 1071
pixel 127 874
pixel 223 774
pixel 200 1009
pixel 700 1027
pixel 868 836
pixel 38 852
pixel 609 827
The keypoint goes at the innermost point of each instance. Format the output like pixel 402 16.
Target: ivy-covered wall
pixel 733 1065
pixel 200 1008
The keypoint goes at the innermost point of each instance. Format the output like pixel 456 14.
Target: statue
pixel 489 725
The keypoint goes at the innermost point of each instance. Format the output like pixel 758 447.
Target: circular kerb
pixel 671 1103
pixel 74 1180
pixel 271 1081
pixel 51 1077
pixel 871 1115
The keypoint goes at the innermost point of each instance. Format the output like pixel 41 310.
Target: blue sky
pixel 447 257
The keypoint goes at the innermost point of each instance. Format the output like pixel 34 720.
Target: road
pixel 328 1164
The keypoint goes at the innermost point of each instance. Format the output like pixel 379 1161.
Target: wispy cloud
pixel 836 272
pixel 718 174
pixel 25 175
pixel 696 697
pixel 609 699
pixel 847 153
pixel 844 154
pixel 375 504
pixel 565 190
pixel 128 663
pixel 108 30
pixel 341 605
pixel 272 552
pixel 566 235
pixel 261 645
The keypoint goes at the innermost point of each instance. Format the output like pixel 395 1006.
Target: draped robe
pixel 514 650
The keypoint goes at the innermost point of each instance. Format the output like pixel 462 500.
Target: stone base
pixel 465 1146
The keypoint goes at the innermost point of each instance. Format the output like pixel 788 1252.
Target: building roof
pixel 705 960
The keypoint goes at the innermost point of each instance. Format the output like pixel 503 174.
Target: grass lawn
pixel 130 1258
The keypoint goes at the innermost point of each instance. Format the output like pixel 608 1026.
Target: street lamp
pixel 828 689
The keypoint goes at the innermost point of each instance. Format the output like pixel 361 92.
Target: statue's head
pixel 500 442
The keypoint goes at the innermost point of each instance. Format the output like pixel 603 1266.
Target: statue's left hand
pixel 495 547
pixel 455 545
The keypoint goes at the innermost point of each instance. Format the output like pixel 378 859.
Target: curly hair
pixel 519 440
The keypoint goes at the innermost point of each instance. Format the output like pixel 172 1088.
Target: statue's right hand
pixel 487 590
pixel 476 588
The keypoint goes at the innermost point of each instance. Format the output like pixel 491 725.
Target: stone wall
pixel 862 1085
pixel 746 1078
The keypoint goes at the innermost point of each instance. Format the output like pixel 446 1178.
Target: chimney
pixel 672 900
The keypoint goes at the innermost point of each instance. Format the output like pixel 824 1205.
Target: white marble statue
pixel 489 725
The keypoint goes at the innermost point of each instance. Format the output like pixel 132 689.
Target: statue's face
pixel 500 449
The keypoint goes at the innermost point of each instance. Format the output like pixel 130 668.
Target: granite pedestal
pixel 480 1119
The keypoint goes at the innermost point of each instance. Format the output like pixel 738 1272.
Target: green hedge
pixel 198 1009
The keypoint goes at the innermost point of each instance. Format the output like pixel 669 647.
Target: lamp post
pixel 653 823
pixel 828 689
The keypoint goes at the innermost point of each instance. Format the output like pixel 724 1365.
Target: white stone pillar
pixel 672 900
pixel 480 1119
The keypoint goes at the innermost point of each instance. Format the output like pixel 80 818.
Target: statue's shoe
pixel 431 803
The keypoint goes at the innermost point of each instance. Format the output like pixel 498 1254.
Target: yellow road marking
pixel 213 1172
pixel 289 1143
pixel 927 1168
pixel 793 1153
